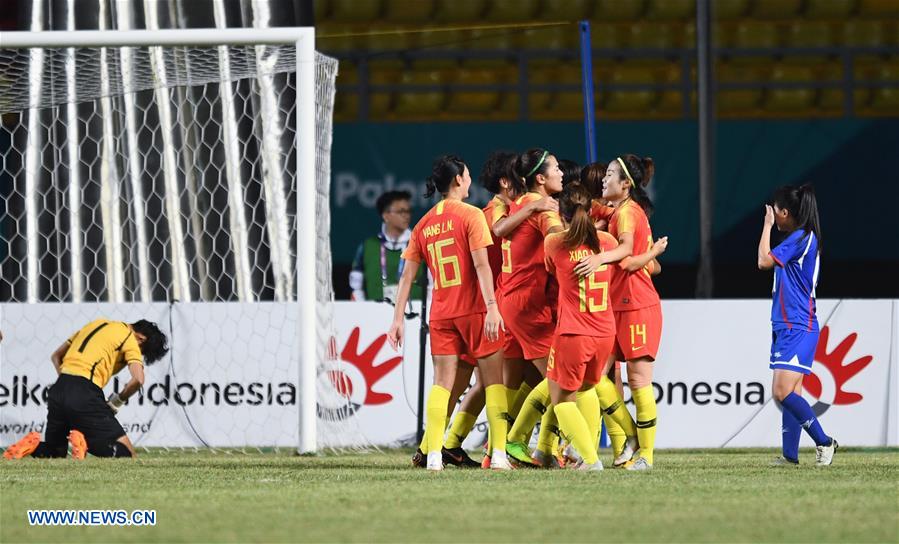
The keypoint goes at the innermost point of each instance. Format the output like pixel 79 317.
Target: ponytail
pixel 574 206
pixel 802 204
pixel 529 164
pixel 443 171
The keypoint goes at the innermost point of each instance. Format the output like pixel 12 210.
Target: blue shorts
pixel 793 349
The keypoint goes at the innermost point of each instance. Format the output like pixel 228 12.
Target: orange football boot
pixel 23 447
pixel 79 445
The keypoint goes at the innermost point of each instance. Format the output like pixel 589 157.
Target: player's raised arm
pixel 765 261
pixel 507 224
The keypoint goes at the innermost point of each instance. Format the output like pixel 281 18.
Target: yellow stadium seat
pixel 669 10
pixel 721 33
pixel 813 34
pixel 617 100
pixel 739 100
pixel 776 9
pixel 337 39
pixel 671 100
pixel 421 103
pixel 481 101
pixel 567 104
pixel 863 33
pixel 567 10
pixel 388 38
pixel 538 101
pixel 886 99
pixel 497 39
pixel 725 10
pixel 604 36
pixel 379 102
pixel 755 35
pixel 408 11
pixel 502 11
pixel 500 65
pixel 830 100
pixel 652 36
pixel 347 73
pixel 618 10
pixel 460 11
pixel 829 9
pixel 556 38
pixel 355 10
pixel 346 106
pixel 795 101
pixel 878 8
pixel 435 39
pixel 443 65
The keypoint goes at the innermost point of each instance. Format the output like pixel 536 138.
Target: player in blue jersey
pixel 793 321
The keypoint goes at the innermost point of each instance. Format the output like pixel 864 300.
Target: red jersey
pixel 523 267
pixel 584 302
pixel 495 210
pixel 445 238
pixel 630 290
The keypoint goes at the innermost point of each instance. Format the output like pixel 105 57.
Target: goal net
pixel 169 182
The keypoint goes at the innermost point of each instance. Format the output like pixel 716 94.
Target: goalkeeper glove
pixel 115 402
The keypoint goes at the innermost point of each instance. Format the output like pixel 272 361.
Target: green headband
pixel 534 169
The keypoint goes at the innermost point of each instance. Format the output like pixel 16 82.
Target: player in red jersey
pixel 585 335
pixel 452 238
pixel 635 301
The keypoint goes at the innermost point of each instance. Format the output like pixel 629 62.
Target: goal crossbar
pixel 304 40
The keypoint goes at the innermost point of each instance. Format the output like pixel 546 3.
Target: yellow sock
pixel 575 427
pixel 497 411
pixel 531 410
pixel 510 395
pixel 548 439
pixel 616 434
pixel 516 404
pixel 423 446
pixel 588 404
pixel 613 405
pixel 436 418
pixel 462 425
pixel 645 399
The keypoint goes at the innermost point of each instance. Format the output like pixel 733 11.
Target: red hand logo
pixel 365 363
pixel 834 363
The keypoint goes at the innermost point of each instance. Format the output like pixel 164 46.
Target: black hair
pixel 529 164
pixel 591 177
pixel 574 206
pixel 571 171
pixel 443 171
pixel 802 205
pixel 156 345
pixel 641 171
pixel 497 167
pixel 385 200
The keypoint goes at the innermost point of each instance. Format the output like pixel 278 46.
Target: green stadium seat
pixel 460 11
pixel 863 33
pixel 408 11
pixel 652 36
pixel 503 11
pixel 388 38
pixel 468 102
pixel 755 35
pixel 618 10
pixel 776 9
pixel 671 10
pixel 795 101
pixel 566 10
pixel 420 104
pixel 557 38
pixel 355 10
pixel 605 36
pixel 878 8
pixel 617 101
pixel 739 100
pixel 727 10
pixel 886 99
pixel 829 9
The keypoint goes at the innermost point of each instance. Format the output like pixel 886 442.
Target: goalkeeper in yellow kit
pixel 78 412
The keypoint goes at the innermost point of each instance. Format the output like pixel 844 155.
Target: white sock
pixel 435 460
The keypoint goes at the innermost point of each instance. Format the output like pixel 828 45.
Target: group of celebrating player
pixel 540 292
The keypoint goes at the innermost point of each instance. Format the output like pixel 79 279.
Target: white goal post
pixel 306 228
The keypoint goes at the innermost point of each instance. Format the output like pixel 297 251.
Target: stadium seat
pixel 813 34
pixel 337 39
pixel 739 100
pixel 382 72
pixel 793 101
pixel 566 10
pixel 830 100
pixel 421 103
pixel 652 36
pixel 618 10
pixel 347 73
pixel 617 100
pixel 454 11
pixel 776 9
pixel 829 9
pixel 408 11
pixel 435 39
pixel 670 10
pixel 721 34
pixel 863 33
pixel 556 38
pixel 388 38
pixel 567 104
pixel 538 100
pixel 886 99
pixel 878 8
pixel 605 36
pixel 355 10
pixel 437 64
pixel 755 36
pixel 504 11
pixel 671 101
pixel 493 39
pixel 482 101
pixel 726 10
pixel 346 106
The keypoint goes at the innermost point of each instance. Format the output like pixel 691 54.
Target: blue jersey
pixel 795 278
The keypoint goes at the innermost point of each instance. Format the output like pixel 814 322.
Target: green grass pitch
pixel 690 496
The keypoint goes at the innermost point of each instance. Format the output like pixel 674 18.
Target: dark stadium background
pixel 808 91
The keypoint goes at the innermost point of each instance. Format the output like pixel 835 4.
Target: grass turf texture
pixel 702 495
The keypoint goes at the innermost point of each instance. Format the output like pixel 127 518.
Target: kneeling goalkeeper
pixel 77 411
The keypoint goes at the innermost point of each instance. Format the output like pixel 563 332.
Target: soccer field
pixel 701 495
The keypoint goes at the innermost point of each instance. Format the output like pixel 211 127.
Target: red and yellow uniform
pixel 100 350
pixel 638 312
pixel 585 334
pixel 495 210
pixel 524 304
pixel 444 238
